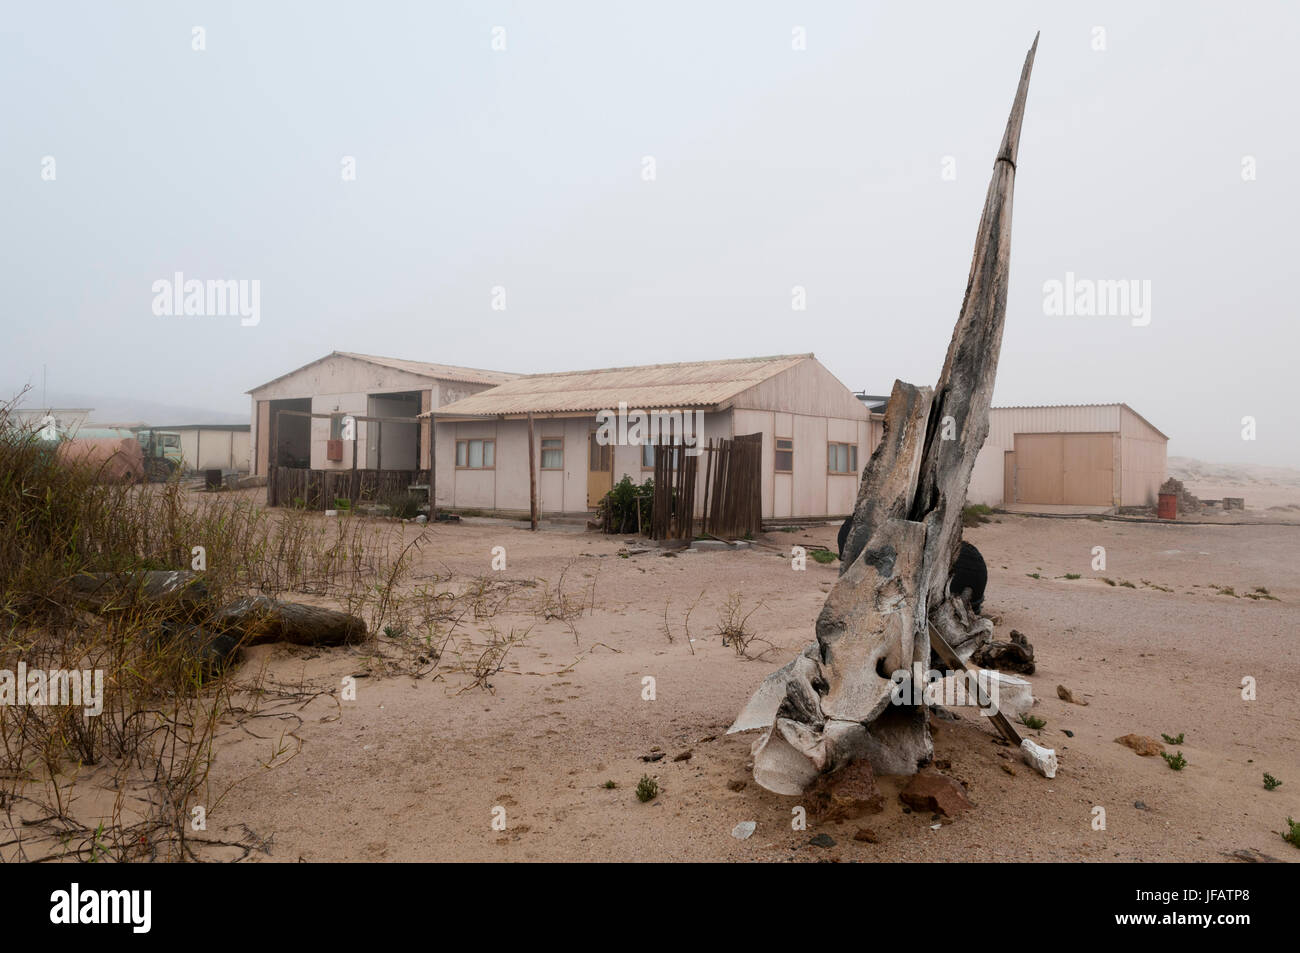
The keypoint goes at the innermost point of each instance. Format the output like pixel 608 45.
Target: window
pixel 476 454
pixel 784 455
pixel 648 456
pixel 552 453
pixel 842 457
pixel 336 426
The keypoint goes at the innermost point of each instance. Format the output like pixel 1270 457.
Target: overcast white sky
pixel 775 167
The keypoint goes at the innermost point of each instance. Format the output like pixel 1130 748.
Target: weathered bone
pixel 833 704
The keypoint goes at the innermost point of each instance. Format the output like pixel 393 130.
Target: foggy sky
pixel 523 168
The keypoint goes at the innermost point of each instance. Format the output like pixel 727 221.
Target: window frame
pixel 542 449
pixel 466 441
pixel 778 450
pixel 850 458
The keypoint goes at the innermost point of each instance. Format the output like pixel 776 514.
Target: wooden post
pixel 272 458
pixel 532 475
pixel 433 468
pixel 354 489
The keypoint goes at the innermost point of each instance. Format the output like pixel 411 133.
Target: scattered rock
pixel 935 793
pixel 1042 760
pixel 742 830
pixel 822 840
pixel 1141 805
pixel 846 794
pixel 654 756
pixel 1146 747
pixel 1014 656
pixel 1009 770
pixel 1067 732
pixel 1249 855
pixel 737 785
pixel 866 835
pixel 684 756
pixel 1066 695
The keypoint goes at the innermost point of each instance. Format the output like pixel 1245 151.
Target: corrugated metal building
pixel 343 383
pixel 816 434
pixel 1074 455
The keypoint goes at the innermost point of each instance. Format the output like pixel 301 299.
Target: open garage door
pixel 1065 468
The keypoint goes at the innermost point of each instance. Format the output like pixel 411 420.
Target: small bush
pixel 1175 761
pixel 647 789
pixel 1271 783
pixel 1292 836
pixel 403 504
pixel 822 556
pixel 624 502
pixel 1071 575
pixel 610 785
pixel 975 514
pixel 1031 721
pixel 1172 740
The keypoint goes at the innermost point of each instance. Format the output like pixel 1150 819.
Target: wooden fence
pixel 732 500
pixel 319 489
pixel 672 513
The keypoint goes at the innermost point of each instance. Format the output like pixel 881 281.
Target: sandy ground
pixel 415 768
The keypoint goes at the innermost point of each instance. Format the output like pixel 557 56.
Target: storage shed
pixel 1102 455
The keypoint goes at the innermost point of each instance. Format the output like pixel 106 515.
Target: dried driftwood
pixel 833 704
pixel 253 619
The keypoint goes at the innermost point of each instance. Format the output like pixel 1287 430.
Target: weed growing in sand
pixel 1127 585
pixel 733 627
pixel 822 556
pixel 975 514
pixel 1262 592
pixel 647 789
pixel 1271 783
pixel 1031 721
pixel 1109 582
pixel 1033 575
pixel 1171 739
pixel 1175 761
pixel 610 785
pixel 1292 836
pixel 1227 591
pixel 1153 585
pixel 1072 575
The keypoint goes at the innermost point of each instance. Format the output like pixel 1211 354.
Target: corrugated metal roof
pixel 446 372
pixel 1111 404
pixel 647 387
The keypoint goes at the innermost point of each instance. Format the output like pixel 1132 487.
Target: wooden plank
pixel 954 662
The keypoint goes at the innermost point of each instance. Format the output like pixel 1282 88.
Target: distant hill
pixel 1190 470
pixel 116 410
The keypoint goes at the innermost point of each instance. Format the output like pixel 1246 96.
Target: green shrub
pixel 822 556
pixel 1031 721
pixel 1172 740
pixel 1292 836
pixel 1175 761
pixel 647 789
pixel 1271 783
pixel 624 502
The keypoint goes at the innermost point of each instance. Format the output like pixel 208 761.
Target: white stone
pixel 744 829
pixel 1042 760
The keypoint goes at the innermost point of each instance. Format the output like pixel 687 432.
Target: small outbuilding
pixel 1102 455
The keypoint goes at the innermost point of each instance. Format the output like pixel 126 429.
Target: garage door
pixel 1065 468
